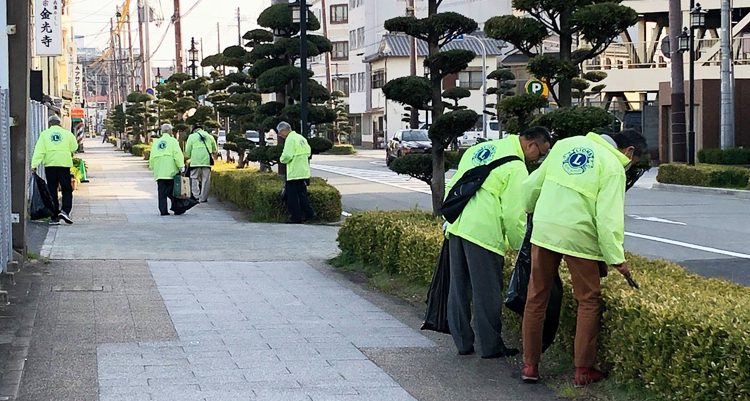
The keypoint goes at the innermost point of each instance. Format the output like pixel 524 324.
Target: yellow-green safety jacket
pixel 166 158
pixel 495 213
pixel 197 151
pixel 54 148
pixel 296 156
pixel 578 199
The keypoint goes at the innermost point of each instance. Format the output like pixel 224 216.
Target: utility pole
pixel 727 77
pixel 279 97
pixel 112 79
pixel 679 128
pixel 239 28
pixel 177 36
pixel 411 11
pixel 303 67
pixel 18 13
pixel 144 82
pixel 203 69
pixel 131 64
pixel 120 72
pixel 218 38
pixel 147 43
pixel 329 84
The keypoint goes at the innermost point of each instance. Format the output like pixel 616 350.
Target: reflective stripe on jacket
pixel 578 199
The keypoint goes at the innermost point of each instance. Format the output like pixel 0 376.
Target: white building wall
pixel 4 64
pixel 335 33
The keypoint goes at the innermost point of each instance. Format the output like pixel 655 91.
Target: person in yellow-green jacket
pixel 200 148
pixel 166 160
pixel 477 240
pixel 54 149
pixel 577 197
pixel 296 157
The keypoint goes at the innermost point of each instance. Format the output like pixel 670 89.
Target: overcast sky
pixel 91 19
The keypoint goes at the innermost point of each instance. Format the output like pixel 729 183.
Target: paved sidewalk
pixel 207 306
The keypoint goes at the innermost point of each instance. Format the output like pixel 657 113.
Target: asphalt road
pixel 706 233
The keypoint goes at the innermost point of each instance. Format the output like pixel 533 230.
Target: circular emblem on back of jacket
pixel 162 145
pixel 56 138
pixel 578 160
pixel 483 155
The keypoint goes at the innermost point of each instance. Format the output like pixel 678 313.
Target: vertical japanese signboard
pixel 48 35
pixel 78 84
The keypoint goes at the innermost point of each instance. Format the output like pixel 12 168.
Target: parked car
pixel 407 141
pixel 253 136
pixel 221 137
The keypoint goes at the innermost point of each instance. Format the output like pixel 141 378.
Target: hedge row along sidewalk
pixel 260 193
pixel 682 336
pixel 705 175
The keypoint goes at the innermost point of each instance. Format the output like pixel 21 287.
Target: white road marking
pixel 378 163
pixel 690 246
pixel 379 177
pixel 656 220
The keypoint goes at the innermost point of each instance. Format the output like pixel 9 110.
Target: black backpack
pixel 468 185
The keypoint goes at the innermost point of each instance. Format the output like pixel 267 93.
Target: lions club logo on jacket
pixel 578 160
pixel 162 145
pixel 483 155
pixel 56 138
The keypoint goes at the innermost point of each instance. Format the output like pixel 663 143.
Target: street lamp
pixel 193 53
pixel 300 17
pixel 697 21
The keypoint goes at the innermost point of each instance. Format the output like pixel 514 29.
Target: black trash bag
pixel 180 206
pixel 519 285
pixel 436 316
pixel 41 206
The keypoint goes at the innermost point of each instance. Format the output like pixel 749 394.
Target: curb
pixel 740 193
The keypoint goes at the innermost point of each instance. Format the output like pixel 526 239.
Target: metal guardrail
pixel 6 232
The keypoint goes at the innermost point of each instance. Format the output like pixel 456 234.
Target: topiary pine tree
pixel 597 23
pixel 437 30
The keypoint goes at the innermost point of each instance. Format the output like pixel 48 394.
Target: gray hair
pixel 54 120
pixel 166 128
pixel 283 126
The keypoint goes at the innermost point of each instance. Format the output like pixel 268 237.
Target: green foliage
pixel 704 176
pixel 440 28
pixel 260 194
pixel 682 336
pixel 139 149
pixel 279 18
pixel 516 111
pixel 448 62
pixel 341 150
pixel 451 125
pixel 734 156
pixel 411 91
pixel 525 33
pixel 319 145
pixel 456 94
pixel 574 121
pixel 419 166
pixel 268 155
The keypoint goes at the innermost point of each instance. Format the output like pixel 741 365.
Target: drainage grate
pixel 80 288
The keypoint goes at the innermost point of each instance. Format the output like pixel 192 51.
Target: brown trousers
pixel 587 290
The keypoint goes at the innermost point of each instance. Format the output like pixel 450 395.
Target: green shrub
pixel 260 193
pixel 146 154
pixel 704 175
pixel 319 145
pixel 138 149
pixel 682 336
pixel 341 150
pixel 735 156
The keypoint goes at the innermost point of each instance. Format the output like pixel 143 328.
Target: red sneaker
pixel 530 374
pixel 586 376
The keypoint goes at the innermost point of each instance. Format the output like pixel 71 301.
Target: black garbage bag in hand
pixel 436 316
pixel 180 206
pixel 41 205
pixel 519 285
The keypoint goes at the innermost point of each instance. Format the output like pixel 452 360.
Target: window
pixel 360 37
pixel 340 51
pixel 378 79
pixel 353 83
pixel 341 85
pixel 361 83
pixel 355 3
pixel 339 14
pixel 470 79
pixel 353 39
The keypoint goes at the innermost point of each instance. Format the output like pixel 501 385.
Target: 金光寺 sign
pixel 48 30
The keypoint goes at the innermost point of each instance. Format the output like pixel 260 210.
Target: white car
pixel 222 138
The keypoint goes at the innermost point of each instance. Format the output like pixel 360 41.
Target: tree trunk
pixel 438 152
pixel 565 90
pixel 679 129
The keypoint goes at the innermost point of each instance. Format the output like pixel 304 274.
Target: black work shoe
pixel 469 351
pixel 64 216
pixel 507 352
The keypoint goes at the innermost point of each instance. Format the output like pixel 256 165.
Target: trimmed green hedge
pixel 735 156
pixel 260 194
pixel 683 336
pixel 146 154
pixel 704 175
pixel 138 149
pixel 341 150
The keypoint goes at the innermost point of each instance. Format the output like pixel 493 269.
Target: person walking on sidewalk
pixel 200 149
pixel 296 156
pixel 578 200
pixel 477 239
pixel 54 149
pixel 166 161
